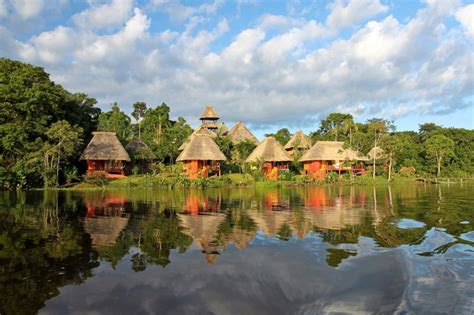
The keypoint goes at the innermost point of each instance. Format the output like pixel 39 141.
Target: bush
pixel 289 176
pixel 302 179
pixel 331 178
pixel 407 171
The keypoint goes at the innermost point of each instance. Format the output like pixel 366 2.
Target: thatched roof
pixel 377 151
pixel 201 147
pixel 138 150
pixel 330 151
pixel 202 131
pixel 105 146
pixel 209 113
pixel 298 141
pixel 269 151
pixel 239 132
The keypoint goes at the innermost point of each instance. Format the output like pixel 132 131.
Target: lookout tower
pixel 209 118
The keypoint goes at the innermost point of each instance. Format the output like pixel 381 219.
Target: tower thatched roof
pixel 201 147
pixel 269 151
pixel 138 150
pixel 298 141
pixel 209 113
pixel 331 151
pixel 105 146
pixel 239 132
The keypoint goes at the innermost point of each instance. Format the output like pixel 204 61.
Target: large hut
pixel 105 155
pixel 328 156
pixel 274 157
pixel 239 132
pixel 298 143
pixel 140 153
pixel 209 118
pixel 201 131
pixel 201 155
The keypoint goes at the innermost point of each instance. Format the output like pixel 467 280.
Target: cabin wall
pixel 271 170
pixel 110 169
pixel 197 168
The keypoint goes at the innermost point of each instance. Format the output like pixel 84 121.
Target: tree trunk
pixel 390 168
pixel 139 131
pixel 439 167
pixel 57 167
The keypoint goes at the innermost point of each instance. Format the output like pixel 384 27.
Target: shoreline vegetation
pixel 167 181
pixel 44 129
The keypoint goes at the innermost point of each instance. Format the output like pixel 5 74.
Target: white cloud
pixel 28 9
pixel 180 12
pixel 3 9
pixel 347 13
pixel 465 16
pixel 112 13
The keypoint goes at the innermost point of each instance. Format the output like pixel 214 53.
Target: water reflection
pixel 307 247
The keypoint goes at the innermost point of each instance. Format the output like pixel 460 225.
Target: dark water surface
pixel 400 249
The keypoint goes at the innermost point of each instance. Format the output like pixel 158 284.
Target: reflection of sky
pixel 263 278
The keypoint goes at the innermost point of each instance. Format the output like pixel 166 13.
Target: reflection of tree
pixel 40 252
pixel 335 256
pixel 284 232
pixel 161 233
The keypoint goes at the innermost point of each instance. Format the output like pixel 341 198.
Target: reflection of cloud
pixel 243 282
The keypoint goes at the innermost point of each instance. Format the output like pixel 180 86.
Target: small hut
pixel 105 155
pixel 201 155
pixel 298 144
pixel 327 156
pixel 239 132
pixel 209 118
pixel 275 158
pixel 140 153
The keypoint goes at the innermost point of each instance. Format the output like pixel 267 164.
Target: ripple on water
pixel 469 236
pixel 409 224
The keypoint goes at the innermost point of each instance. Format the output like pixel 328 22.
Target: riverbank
pixel 231 180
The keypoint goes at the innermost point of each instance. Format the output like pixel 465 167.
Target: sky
pixel 270 64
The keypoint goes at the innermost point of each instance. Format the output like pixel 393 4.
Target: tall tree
pixel 439 147
pixel 115 121
pixel 378 128
pixel 282 136
pixel 139 109
pixel 63 142
pixel 333 125
pixel 391 146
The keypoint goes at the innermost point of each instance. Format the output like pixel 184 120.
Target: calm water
pixel 407 249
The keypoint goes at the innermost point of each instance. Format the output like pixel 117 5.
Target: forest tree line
pixel 44 129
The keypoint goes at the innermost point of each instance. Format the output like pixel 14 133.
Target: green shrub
pixel 407 171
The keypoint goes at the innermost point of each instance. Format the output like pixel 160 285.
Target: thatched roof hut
pixel 201 147
pixel 299 141
pixel 222 129
pixel 105 146
pixel 138 150
pixel 239 132
pixel 269 151
pixel 209 114
pixel 202 131
pixel 104 231
pixel 331 151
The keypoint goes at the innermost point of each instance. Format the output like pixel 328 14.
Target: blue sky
pixel 271 64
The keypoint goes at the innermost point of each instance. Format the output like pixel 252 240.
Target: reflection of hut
pixel 209 118
pixel 140 153
pixel 200 156
pixel 196 204
pixel 105 220
pixel 203 229
pixel 326 156
pixel 298 143
pixel 105 155
pixel 239 132
pixel 274 157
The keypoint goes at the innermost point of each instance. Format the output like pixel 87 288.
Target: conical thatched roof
pixel 239 132
pixel 201 147
pixel 138 150
pixel 298 141
pixel 201 131
pixel 269 151
pixel 105 146
pixel 209 113
pixel 330 151
pixel 377 151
